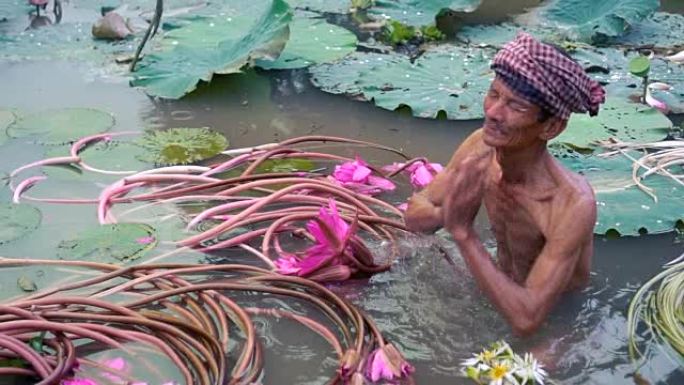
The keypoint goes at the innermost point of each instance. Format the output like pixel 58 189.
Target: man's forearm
pixel 510 298
pixel 422 215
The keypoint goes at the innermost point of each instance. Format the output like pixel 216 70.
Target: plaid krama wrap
pixel 546 77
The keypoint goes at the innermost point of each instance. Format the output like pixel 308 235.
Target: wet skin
pixel 541 214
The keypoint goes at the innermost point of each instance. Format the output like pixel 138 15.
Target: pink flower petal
pixel 403 206
pixel 287 265
pixel 421 177
pixel 78 381
pixel 379 367
pixel 382 183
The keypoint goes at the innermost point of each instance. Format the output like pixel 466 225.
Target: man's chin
pixel 492 140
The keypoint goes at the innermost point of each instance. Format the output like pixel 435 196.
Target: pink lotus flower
pixel 333 249
pixel 358 177
pixel 388 364
pixel 420 173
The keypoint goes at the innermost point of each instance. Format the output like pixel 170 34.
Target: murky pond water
pixel 431 309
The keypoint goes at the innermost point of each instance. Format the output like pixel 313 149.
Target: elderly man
pixel 541 214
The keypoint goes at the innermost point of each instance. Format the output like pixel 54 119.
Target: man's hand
pixel 465 196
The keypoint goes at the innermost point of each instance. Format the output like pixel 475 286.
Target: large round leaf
pixel 450 79
pixel 7 117
pixel 17 221
pixel 174 73
pixel 610 66
pixel 622 206
pixel 62 126
pixel 180 145
pixel 496 35
pixel 419 12
pixel 312 41
pixel 618 119
pixel 341 77
pixel 123 242
pixel 330 6
pixel 661 29
pixel 589 20
pixel 10 9
pixel 105 155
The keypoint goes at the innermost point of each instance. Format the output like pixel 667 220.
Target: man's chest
pixel 518 220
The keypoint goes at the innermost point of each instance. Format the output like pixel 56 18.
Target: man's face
pixel 510 120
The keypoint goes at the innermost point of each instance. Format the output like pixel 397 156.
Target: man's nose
pixel 494 110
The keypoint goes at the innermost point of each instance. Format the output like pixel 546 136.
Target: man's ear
pixel 554 126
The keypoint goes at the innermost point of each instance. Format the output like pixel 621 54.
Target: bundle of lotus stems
pixel 183 311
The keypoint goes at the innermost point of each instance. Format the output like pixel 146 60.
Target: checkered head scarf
pixel 544 76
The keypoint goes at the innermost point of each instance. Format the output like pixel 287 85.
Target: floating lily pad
pixel 17 221
pixel 111 155
pixel 7 117
pixel 419 12
pixel 10 9
pixel 450 79
pixel 181 145
pixel 329 6
pixel 661 29
pixel 174 73
pixel 610 67
pixel 499 34
pixel 588 20
pixel 62 126
pixel 312 41
pixel 123 242
pixel 341 77
pixel 622 206
pixel 618 119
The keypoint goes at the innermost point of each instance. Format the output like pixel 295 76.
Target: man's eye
pixel 518 107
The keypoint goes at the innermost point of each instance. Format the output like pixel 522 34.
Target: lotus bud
pixel 660 86
pixel 331 273
pixel 350 360
pixel 357 379
pixel 655 103
pixel 397 360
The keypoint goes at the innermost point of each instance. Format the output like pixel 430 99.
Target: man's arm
pixel 424 212
pixel 526 307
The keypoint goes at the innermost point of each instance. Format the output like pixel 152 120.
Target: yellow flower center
pixel 488 355
pixel 499 371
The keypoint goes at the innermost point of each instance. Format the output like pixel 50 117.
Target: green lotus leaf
pixel 588 20
pixel 450 78
pixel 286 165
pixel 341 77
pixel 639 66
pixel 62 126
pixel 17 220
pixel 328 6
pixel 419 12
pixel 496 35
pixel 618 119
pixel 180 145
pixel 123 242
pixel 174 73
pixel 110 155
pixel 10 9
pixel 610 66
pixel 7 117
pixel 661 29
pixel 312 41
pixel 622 206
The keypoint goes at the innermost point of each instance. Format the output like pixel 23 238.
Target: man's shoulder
pixel 576 191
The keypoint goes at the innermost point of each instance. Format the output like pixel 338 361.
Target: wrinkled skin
pixel 542 215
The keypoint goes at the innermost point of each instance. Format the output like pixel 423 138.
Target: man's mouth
pixel 494 129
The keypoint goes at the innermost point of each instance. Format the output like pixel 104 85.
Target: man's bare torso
pixel 521 218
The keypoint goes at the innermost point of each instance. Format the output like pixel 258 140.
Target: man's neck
pixel 521 165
